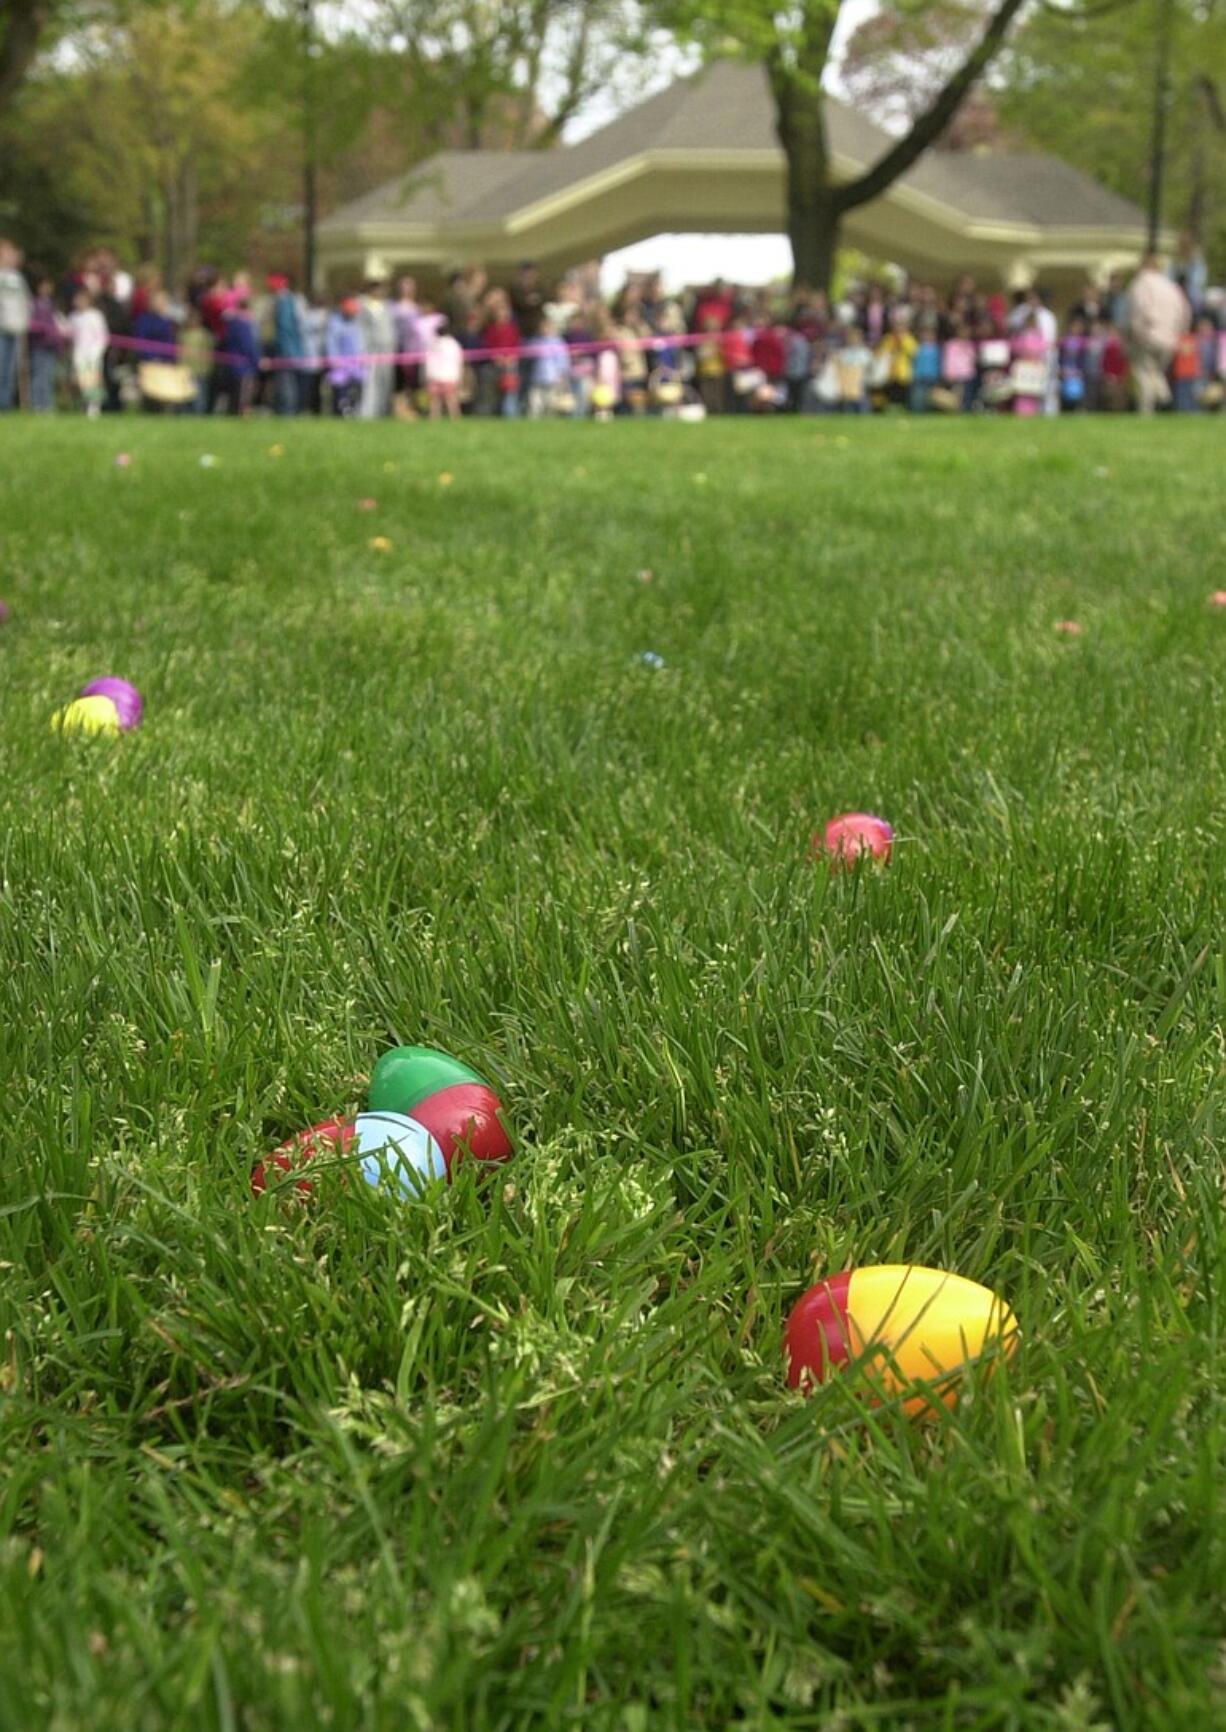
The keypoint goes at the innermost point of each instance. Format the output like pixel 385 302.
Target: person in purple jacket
pixel 344 341
pixel 238 355
pixel 45 342
pixel 157 336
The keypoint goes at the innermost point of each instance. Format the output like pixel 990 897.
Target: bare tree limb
pixel 1212 98
pixel 932 123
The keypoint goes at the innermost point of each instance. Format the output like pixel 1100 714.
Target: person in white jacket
pixel 15 304
pixel 1158 316
pixel 90 337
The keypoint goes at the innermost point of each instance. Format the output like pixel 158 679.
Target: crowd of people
pixel 102 338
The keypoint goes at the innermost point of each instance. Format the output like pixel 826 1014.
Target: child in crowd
pixel 240 368
pixel 1115 371
pixel 196 347
pixel 1030 362
pixel 896 359
pixel 925 367
pixel 500 374
pixel 45 340
pixel 344 344
pixel 607 379
pixel 1073 348
pixel 958 366
pixel 1185 374
pixel 798 365
pixel 709 368
pixel 89 340
pixel 852 361
pixel 737 354
pixel 1207 342
pixel 550 391
pixel 444 368
pixel 1092 365
pixel 993 359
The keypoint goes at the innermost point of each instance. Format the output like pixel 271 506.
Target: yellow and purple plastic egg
pixel 903 1326
pixel 93 715
pixel 104 706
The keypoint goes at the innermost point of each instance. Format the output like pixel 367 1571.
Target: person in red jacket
pixel 737 352
pixel 1115 371
pixel 769 352
pixel 715 304
pixel 498 375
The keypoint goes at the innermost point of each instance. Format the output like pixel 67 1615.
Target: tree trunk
pixel 813 222
pixel 812 219
pixel 181 223
pixel 24 22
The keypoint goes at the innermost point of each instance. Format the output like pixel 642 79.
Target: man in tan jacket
pixel 1158 315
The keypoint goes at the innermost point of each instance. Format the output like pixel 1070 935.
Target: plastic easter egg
pixel 465 1118
pixel 407 1074
pixel 96 715
pixel 903 1324
pixel 851 835
pixel 331 1137
pixel 397 1153
pixel 123 694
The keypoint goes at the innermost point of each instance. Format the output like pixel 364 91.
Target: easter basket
pixel 166 382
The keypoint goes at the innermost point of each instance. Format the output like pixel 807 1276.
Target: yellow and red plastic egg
pixel 903 1326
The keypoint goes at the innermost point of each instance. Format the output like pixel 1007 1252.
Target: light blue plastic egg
pixel 396 1153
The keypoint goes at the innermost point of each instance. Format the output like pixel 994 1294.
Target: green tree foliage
pixel 496 72
pixel 1084 90
pixel 154 128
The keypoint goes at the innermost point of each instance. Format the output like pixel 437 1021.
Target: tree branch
pixel 21 25
pixel 1212 100
pixel 932 123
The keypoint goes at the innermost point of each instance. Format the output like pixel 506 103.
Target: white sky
pixel 697 258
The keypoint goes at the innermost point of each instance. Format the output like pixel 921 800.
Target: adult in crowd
pixel 289 345
pixel 15 307
pixel 1157 318
pixel 528 299
pixel 378 332
pixel 409 342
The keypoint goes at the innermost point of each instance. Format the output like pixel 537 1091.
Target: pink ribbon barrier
pixel 150 349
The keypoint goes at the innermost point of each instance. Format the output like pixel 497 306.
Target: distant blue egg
pixel 396 1153
pixel 652 659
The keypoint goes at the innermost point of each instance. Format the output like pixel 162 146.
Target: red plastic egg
pixel 330 1137
pixel 852 834
pixel 465 1117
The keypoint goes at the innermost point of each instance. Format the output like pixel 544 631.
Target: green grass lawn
pixel 522 1454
